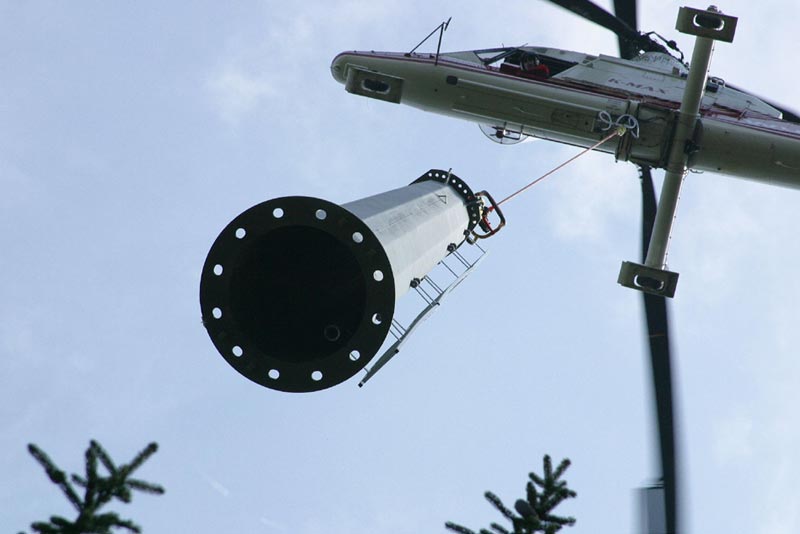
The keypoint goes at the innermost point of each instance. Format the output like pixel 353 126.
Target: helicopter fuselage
pixel 737 134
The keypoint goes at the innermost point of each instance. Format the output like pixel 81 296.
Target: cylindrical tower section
pixel 418 224
pixel 298 293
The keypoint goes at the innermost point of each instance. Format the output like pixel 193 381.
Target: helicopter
pixel 677 118
pixel 560 95
pixel 669 114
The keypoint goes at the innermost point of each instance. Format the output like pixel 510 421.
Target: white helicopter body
pixel 737 134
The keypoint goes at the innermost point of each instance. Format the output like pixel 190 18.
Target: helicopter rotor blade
pixel 657 318
pixel 634 41
pixel 598 15
pixel 649 206
pixel 625 10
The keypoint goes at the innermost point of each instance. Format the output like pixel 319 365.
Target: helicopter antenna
pixel 441 29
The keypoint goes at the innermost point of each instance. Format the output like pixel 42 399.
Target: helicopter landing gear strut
pixel 707 26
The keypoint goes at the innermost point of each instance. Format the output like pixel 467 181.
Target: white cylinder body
pixel 415 224
pixel 298 293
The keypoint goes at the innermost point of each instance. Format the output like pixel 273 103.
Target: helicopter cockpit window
pixel 514 60
pixel 494 55
pixel 524 63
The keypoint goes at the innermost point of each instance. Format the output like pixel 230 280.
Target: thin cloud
pixel 594 194
pixel 238 94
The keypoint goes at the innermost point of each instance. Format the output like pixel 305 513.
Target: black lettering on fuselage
pixel 638 86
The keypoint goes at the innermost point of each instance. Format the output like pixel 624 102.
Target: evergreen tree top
pixel 98 490
pixel 535 512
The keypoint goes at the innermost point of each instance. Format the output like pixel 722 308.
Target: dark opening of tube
pixel 298 294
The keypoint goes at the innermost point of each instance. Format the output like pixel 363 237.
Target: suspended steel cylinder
pixel 298 293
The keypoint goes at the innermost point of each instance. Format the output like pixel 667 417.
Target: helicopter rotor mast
pixel 707 26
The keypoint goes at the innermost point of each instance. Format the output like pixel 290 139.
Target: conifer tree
pixel 536 511
pixel 98 490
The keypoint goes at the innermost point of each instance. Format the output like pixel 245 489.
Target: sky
pixel 131 133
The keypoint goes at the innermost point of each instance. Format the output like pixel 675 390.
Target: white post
pixel 678 156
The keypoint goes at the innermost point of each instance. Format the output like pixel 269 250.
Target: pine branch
pixel 536 479
pixel 98 491
pixel 548 467
pixel 565 463
pixel 499 529
pixel 495 500
pixel 97 450
pixel 531 493
pixel 140 458
pixel 145 487
pixel 45 528
pixel 458 528
pixel 534 512
pixel 56 475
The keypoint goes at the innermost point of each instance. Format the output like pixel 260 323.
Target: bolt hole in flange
pixel 316 376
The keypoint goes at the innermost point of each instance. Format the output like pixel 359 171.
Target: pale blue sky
pixel 131 133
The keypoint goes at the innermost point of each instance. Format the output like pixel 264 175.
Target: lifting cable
pixel 622 125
